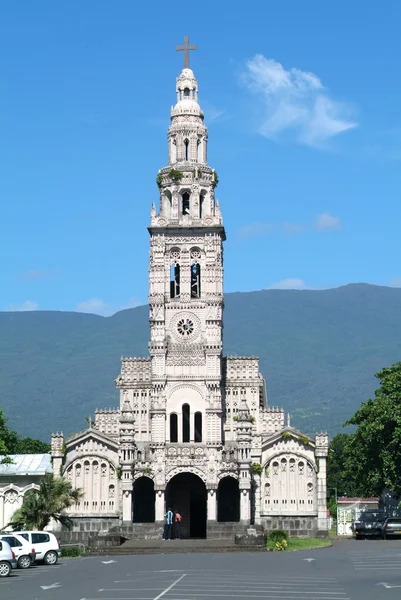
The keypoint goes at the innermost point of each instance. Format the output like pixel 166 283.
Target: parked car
pixel 391 527
pixel 368 525
pixel 46 545
pixel 24 553
pixel 7 559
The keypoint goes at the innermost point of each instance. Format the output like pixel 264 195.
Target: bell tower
pixel 186 281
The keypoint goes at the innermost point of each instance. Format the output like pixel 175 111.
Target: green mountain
pixel 318 352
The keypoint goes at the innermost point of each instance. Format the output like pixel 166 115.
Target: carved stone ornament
pixel 185 326
pixel 11 496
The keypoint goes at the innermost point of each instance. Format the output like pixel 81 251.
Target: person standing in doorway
pixel 169 524
pixel 177 525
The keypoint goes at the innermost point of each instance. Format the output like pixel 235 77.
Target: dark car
pixel 368 525
pixel 391 527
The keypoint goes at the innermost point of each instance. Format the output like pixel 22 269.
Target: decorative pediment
pixel 285 436
pixel 92 440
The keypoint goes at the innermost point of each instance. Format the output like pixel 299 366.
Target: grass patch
pixel 303 543
pixel 71 551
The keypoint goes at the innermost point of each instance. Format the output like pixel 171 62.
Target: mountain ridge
pixel 318 351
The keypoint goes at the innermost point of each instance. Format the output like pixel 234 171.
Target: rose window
pixel 185 327
pixel 175 253
pixel 196 253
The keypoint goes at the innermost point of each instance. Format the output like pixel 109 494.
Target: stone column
pixel 322 445
pixel 321 495
pixel 57 453
pixel 127 506
pixel 257 498
pixel 212 505
pixel 160 510
pixel 245 506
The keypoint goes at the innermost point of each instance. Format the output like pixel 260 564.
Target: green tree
pixel 12 443
pixel 41 506
pixel 376 444
pixel 4 440
pixel 341 473
pixel 31 446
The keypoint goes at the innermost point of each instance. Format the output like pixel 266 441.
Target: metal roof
pixel 27 464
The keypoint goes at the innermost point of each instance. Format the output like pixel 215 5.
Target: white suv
pixel 7 559
pixel 24 553
pixel 46 545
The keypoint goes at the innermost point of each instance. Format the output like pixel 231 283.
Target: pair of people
pixel 172 526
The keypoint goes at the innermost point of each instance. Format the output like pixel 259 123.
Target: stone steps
pixel 174 547
pixel 154 531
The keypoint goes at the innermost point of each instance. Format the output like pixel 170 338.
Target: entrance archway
pixel 144 500
pixel 228 500
pixel 186 493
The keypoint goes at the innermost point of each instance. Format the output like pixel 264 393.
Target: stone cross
pixel 186 49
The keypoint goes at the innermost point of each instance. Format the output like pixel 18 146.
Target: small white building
pixel 349 510
pixel 16 479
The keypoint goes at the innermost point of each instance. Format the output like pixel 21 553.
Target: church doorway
pixel 144 500
pixel 186 493
pixel 228 500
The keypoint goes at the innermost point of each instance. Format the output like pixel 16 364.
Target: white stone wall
pixel 12 492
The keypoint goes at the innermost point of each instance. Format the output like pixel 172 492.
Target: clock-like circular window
pixel 185 327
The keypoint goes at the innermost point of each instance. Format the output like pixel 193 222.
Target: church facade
pixel 194 431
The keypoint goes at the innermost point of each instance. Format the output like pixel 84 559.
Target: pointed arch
pixel 195 280
pixel 186 423
pixel 198 426
pixel 175 280
pixel 185 203
pixel 173 428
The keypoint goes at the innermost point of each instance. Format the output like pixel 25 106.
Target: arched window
pixel 195 281
pixel 185 423
pixel 186 146
pixel 201 202
pixel 198 427
pixel 199 150
pixel 173 428
pixel 185 203
pixel 186 93
pixel 173 151
pixel 174 280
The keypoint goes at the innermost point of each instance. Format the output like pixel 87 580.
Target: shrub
pixel 256 468
pixel 280 546
pixel 278 535
pixel 71 551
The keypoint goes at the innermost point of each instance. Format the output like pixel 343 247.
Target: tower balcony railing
pixel 170 176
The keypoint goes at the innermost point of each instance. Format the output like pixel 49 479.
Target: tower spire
pixel 186 49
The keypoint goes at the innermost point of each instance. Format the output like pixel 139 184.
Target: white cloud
pixel 296 101
pixel 25 306
pixel 395 282
pixel 326 221
pixel 99 307
pixel 322 222
pixel 289 284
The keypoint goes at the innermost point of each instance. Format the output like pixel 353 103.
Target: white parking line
pixel 213 595
pixel 248 587
pixel 170 587
pixel 135 589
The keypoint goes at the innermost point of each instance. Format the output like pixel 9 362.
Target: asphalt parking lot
pixel 350 570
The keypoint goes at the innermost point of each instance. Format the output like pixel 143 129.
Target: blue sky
pixel 302 100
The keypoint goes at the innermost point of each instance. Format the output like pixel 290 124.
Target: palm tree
pixel 41 506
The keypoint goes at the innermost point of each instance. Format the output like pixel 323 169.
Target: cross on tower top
pixel 186 49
